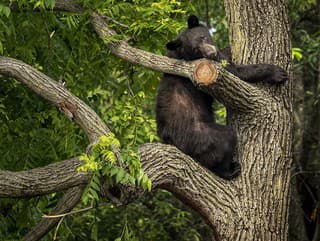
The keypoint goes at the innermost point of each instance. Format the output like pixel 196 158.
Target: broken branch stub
pixel 205 72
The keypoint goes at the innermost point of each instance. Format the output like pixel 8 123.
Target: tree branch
pixel 176 172
pixel 72 106
pixel 44 180
pixel 165 165
pixel 236 94
pixel 57 94
pixel 66 204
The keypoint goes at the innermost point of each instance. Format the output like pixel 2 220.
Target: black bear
pixel 184 113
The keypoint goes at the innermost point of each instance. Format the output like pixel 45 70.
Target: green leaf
pixel 96 178
pixel 38 4
pixel 149 185
pixel 95 186
pixel 50 3
pixel 132 180
pixel 6 11
pixel 93 193
pixel 114 171
pixel 94 232
pixel 1 48
pixel 139 177
pixel 120 175
pixel 297 53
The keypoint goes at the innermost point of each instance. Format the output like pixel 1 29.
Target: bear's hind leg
pixel 220 164
pixel 227 169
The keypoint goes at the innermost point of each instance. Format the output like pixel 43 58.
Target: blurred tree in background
pixel 305 216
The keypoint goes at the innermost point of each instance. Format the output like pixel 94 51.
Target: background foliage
pixel 33 133
pixel 305 215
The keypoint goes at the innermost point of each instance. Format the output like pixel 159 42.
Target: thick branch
pixel 69 6
pixel 57 94
pixel 214 198
pixel 166 166
pixel 44 180
pixel 140 57
pixel 236 94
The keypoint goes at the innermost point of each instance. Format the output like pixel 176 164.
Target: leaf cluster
pixel 103 163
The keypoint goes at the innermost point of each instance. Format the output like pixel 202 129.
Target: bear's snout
pixel 208 50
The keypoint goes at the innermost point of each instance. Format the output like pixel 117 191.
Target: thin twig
pixel 305 172
pixel 68 213
pixel 57 228
pixel 109 19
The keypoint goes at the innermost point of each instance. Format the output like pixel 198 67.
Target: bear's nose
pixel 208 50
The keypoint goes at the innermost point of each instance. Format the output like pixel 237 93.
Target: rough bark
pixel 39 181
pixel 255 205
pixel 259 33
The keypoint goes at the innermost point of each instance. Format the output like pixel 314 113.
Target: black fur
pixel 184 113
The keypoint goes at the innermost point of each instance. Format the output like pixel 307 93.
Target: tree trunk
pixel 259 33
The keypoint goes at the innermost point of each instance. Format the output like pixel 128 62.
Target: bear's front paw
pixel 279 75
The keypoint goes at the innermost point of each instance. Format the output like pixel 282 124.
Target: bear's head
pixel 195 42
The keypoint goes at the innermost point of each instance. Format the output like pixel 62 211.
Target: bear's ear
pixel 193 21
pixel 173 45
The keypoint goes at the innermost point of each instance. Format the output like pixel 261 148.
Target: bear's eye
pixel 203 38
